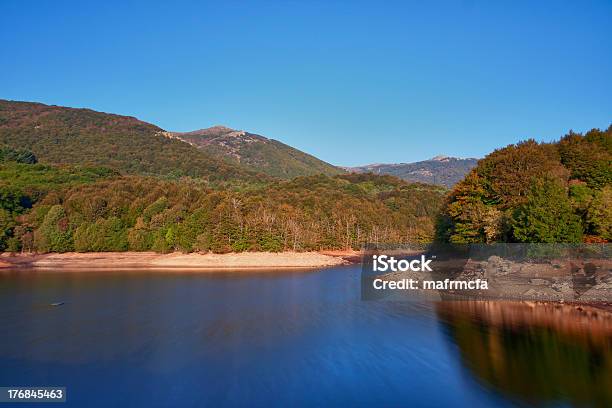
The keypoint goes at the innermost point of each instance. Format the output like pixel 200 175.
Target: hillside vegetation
pixel 79 180
pixel 97 211
pixel 257 152
pixel 535 192
pixel 75 179
pixel 59 135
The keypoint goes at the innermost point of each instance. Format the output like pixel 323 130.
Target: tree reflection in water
pixel 535 353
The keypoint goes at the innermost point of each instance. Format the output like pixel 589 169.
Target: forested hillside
pixel 52 209
pixel 535 192
pixel 257 152
pixel 75 179
pixel 59 135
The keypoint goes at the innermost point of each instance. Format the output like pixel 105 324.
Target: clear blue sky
pixel 351 82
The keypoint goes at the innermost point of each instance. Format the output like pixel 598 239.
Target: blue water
pixel 155 339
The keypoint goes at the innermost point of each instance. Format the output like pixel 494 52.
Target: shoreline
pixel 177 260
pixel 79 262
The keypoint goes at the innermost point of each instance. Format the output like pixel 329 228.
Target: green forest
pixel 535 192
pixel 80 180
pixel 59 209
pixel 83 137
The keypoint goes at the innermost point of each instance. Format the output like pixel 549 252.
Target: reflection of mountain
pixel 540 354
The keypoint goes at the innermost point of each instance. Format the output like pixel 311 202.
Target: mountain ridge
pixel 79 136
pixel 255 151
pixel 439 170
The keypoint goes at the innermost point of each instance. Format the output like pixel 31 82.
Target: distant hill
pixel 441 170
pixel 256 152
pixel 60 135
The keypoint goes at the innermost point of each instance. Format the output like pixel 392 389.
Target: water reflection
pixel 535 353
pixel 289 339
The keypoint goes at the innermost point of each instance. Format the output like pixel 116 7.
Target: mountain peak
pixel 255 151
pixel 220 128
pixel 211 131
pixel 441 170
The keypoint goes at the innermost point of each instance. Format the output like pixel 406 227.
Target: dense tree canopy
pixel 117 213
pixel 535 192
pixel 75 179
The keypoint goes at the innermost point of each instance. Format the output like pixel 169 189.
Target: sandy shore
pixel 152 260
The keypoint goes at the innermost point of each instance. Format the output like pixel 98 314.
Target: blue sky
pixel 351 82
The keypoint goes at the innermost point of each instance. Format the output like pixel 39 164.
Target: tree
pixel 589 157
pixel 599 214
pixel 547 216
pixel 506 174
pixel 160 242
pixel 139 237
pixel 8 154
pixel 463 219
pixel 7 223
pixel 55 234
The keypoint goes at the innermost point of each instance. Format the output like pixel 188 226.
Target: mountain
pixel 256 152
pixel 441 170
pixel 80 180
pixel 60 135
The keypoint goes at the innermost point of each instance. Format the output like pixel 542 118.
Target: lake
pixel 156 339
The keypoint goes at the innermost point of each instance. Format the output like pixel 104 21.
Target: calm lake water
pixel 148 339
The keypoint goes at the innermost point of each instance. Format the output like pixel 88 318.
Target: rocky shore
pixel 582 281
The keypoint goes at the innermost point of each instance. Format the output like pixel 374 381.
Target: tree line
pixel 528 192
pixel 535 192
pixel 99 210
